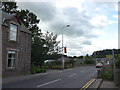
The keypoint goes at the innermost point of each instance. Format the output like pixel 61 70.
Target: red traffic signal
pixel 65 49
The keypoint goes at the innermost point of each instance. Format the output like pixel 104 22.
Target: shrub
pixel 70 62
pixel 69 66
pixel 56 67
pixel 81 63
pixel 107 75
pixel 37 69
pixel 107 72
pixel 89 61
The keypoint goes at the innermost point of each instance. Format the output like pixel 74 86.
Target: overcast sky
pixel 93 25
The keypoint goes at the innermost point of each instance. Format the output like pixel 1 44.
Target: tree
pixel 38 51
pixel 9 7
pixel 52 43
pixel 44 47
pixel 30 21
pixel 80 57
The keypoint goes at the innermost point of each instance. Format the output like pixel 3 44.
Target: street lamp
pixel 63 46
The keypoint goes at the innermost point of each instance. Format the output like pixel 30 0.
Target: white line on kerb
pixel 49 82
pixel 72 75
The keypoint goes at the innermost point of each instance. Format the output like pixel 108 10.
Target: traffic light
pixel 65 49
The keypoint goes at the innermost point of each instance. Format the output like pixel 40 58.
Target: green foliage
pixel 44 47
pixel 70 62
pixel 99 56
pixel 88 60
pixel 106 52
pixel 56 62
pixel 53 65
pixel 118 61
pixel 80 57
pixel 37 69
pixel 30 21
pixel 69 66
pixel 107 75
pixel 81 63
pixel 56 67
pixel 9 7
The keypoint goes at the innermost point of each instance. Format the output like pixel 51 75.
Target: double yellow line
pixel 87 84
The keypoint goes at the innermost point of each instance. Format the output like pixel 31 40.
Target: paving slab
pixel 96 83
pixel 108 84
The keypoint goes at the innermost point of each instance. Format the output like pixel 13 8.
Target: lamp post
pixel 63 46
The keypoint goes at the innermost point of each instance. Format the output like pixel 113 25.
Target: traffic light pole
pixel 63 61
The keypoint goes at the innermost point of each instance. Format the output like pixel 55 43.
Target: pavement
pixel 99 84
pixel 108 84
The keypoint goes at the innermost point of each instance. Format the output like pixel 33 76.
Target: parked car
pixel 99 65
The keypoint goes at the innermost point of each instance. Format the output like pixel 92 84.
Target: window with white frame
pixel 11 59
pixel 13 32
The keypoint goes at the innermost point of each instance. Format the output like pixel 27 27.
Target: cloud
pixel 87 22
pixel 54 19
pixel 99 21
pixel 115 16
pixel 46 11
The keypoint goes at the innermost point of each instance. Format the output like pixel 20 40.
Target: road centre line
pixel 49 82
pixel 72 75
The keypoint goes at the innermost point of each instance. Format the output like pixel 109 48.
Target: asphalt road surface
pixel 68 78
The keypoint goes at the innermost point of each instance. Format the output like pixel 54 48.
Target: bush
pixel 81 63
pixel 107 75
pixel 56 67
pixel 37 69
pixel 70 63
pixel 107 72
pixel 69 66
pixel 88 61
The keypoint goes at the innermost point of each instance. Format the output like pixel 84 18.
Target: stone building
pixel 16 46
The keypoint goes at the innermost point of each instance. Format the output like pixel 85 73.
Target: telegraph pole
pixel 113 57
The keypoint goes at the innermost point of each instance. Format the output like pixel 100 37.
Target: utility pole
pixel 63 47
pixel 113 57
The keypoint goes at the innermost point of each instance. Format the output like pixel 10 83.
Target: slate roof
pixel 7 17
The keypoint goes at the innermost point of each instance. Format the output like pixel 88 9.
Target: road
pixel 69 78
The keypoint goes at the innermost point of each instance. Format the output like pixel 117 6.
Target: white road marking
pixel 72 75
pixel 82 71
pixel 49 82
pixel 45 73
